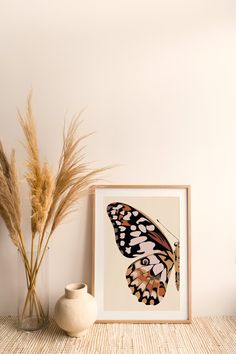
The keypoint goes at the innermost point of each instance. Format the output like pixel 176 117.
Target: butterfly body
pixel 136 235
pixel 177 262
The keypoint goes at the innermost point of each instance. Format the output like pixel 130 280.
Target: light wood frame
pixel 189 296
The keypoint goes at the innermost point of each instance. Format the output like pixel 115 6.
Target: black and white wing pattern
pixel 136 235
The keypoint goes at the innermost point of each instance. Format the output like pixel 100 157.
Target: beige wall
pixel 158 80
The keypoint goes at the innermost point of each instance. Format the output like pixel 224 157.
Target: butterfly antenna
pixel 167 230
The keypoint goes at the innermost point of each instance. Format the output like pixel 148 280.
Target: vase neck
pixel 75 290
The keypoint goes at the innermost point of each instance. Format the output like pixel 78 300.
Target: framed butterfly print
pixel 141 260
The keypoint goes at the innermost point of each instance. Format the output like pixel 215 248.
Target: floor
pixel 204 335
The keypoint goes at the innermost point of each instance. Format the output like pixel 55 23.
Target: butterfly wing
pixel 148 277
pixel 135 233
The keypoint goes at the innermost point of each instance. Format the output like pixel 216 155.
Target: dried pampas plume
pixel 39 178
pixel 9 196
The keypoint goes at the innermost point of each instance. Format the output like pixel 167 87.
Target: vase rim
pixel 75 288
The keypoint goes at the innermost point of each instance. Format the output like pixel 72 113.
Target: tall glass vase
pixel 33 293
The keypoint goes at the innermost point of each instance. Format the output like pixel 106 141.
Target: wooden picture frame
pixel 138 233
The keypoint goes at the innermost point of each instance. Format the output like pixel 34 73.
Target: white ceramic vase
pixel 76 311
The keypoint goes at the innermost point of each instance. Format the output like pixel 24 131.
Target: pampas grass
pixel 52 197
pixel 9 197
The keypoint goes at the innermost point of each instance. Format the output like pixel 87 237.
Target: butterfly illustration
pixel 137 235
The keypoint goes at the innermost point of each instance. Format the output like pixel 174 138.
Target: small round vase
pixel 76 311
